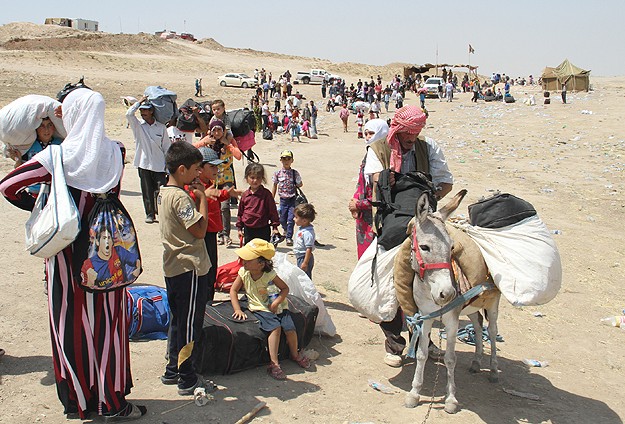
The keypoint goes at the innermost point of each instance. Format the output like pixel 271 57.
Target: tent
pixel 576 79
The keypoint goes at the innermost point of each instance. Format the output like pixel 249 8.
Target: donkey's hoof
pixel 451 406
pixel 411 400
pixel 475 367
pixel 493 377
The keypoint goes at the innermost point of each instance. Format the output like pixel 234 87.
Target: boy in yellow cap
pixel 266 293
pixel 286 181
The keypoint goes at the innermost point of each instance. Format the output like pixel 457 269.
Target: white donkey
pixel 434 286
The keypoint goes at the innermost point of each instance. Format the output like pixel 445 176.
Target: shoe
pixel 220 240
pixel 150 219
pixel 302 361
pixel 134 413
pixel 169 381
pixel 289 242
pixel 276 372
pixel 392 360
pixel 227 241
pixel 199 383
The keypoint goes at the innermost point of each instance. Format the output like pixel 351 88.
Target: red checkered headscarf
pixel 408 119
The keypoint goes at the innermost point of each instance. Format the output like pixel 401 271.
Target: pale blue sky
pixel 512 37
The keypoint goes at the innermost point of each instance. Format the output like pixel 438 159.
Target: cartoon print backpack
pixel 110 242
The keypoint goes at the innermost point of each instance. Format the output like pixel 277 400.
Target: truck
pixel 316 75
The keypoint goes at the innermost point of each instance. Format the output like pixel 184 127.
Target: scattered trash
pixel 200 397
pixel 556 232
pixel 547 190
pixel 535 363
pixel 615 321
pixel 539 314
pixel 380 387
pixel 586 112
pixel 311 354
pixel 524 395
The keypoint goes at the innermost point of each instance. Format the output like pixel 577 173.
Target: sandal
pixel 220 241
pixel 302 361
pixel 276 372
pixel 228 241
pixel 129 413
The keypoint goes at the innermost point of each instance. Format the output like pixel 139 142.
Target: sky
pixel 517 38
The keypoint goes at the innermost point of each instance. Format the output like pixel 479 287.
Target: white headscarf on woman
pixel 379 127
pixel 92 162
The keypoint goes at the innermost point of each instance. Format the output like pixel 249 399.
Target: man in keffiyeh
pixel 403 151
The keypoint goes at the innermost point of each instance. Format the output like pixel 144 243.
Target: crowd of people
pixel 188 186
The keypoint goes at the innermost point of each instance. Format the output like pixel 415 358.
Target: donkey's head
pixel 431 248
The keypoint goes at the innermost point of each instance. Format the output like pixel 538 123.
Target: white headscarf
pixel 379 127
pixel 92 162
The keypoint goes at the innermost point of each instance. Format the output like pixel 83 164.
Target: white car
pixel 431 85
pixel 237 80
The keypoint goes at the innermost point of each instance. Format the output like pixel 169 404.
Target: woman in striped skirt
pixel 89 331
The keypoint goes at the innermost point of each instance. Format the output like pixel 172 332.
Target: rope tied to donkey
pixel 416 321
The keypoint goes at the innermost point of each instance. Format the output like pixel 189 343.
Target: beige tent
pixel 576 79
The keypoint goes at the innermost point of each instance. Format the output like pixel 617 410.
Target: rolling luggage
pixel 228 346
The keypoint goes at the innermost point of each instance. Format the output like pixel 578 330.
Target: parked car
pixel 237 80
pixel 431 85
pixel 316 75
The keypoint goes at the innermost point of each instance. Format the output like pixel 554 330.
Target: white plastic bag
pixel 374 298
pixel 20 119
pixel 55 223
pixel 302 286
pixel 523 260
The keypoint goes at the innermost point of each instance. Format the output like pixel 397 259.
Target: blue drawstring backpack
pixel 148 313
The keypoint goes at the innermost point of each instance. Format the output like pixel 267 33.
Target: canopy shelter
pixel 576 79
pixel 426 67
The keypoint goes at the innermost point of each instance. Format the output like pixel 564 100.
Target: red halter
pixel 422 265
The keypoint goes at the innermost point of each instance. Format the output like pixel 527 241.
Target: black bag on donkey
pixel 500 211
pixel 396 205
pixel 228 346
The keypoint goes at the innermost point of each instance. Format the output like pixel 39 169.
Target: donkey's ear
pixel 453 204
pixel 423 207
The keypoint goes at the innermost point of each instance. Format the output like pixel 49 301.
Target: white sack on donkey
pixel 370 289
pixel 520 252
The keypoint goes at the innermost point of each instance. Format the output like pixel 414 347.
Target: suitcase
pixel 228 346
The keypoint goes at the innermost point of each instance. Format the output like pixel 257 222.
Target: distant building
pixel 81 24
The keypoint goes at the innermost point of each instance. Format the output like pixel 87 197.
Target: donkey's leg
pixel 450 320
pixel 493 313
pixel 413 396
pixel 476 364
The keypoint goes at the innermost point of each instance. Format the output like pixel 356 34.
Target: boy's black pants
pixel 187 295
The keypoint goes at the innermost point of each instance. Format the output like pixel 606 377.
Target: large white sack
pixel 20 118
pixel 302 286
pixel 374 298
pixel 523 260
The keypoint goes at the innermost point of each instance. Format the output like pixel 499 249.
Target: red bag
pixel 226 274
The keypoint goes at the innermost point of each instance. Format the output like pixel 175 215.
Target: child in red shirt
pixel 214 197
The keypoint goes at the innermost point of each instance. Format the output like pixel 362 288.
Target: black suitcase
pixel 228 346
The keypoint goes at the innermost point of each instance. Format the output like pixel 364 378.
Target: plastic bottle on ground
pixel 535 363
pixel 615 321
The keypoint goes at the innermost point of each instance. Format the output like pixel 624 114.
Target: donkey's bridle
pixel 417 255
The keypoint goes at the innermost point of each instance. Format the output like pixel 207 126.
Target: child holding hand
pixel 261 285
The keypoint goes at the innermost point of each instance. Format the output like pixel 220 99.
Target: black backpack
pixel 499 211
pixel 241 121
pixel 396 205
pixel 69 87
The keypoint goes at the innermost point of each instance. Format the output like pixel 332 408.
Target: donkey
pixel 434 286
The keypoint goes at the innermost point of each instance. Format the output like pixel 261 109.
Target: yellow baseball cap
pixel 256 248
pixel 286 154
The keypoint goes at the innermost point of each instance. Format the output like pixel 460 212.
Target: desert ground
pixel 568 164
